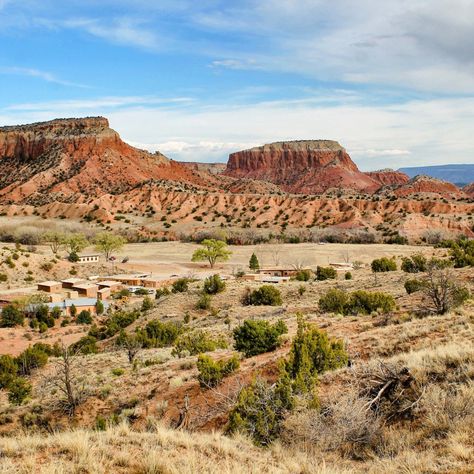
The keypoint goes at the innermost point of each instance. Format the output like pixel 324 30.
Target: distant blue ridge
pixel 459 175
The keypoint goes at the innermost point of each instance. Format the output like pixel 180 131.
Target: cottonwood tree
pixel 107 243
pixel 55 240
pixel 212 251
pixel 76 243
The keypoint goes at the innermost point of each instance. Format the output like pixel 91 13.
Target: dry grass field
pixel 130 416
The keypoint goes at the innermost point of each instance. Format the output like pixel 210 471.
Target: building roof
pixel 49 283
pixel 78 302
pixel 130 276
pixel 85 286
pixel 89 255
pixel 108 283
pixel 73 280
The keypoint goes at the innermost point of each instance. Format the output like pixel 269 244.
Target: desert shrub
pixel 333 301
pixel 84 317
pixel 303 275
pixel 312 353
pixel 325 273
pixel 461 251
pixel 113 324
pixel 212 372
pixel 383 264
pixel 160 292
pixel 213 285
pixel 99 307
pixel 3 277
pixel 414 264
pixel 123 293
pixel 258 336
pixel 11 316
pixel 348 276
pixel 141 292
pixel 261 409
pixel 42 315
pixel 266 295
pixel 73 257
pixel 85 345
pixel 357 302
pixel 118 371
pixel 301 290
pixel 30 359
pixel 180 286
pixel 413 285
pixel 147 303
pixel 19 389
pixel 42 327
pixel 366 302
pixel 344 425
pixel 196 342
pixel 204 302
pixel 159 334
pixel 46 266
pixel 8 370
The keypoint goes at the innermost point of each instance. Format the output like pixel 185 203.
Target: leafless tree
pixel 276 252
pixel 67 381
pixel 441 290
pixel 132 345
pixel 345 256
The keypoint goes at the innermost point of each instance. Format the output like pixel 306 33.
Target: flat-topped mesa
pixel 302 166
pixel 65 157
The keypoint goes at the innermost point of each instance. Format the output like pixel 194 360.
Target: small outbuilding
pixel 70 282
pixel 90 258
pixel 50 286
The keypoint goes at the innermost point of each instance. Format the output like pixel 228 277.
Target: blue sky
pixel 392 81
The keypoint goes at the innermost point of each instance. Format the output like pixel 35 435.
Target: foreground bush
pixel 11 316
pixel 312 353
pixel 19 390
pixel 357 302
pixel 258 336
pixel 325 273
pixel 261 409
pixel 266 295
pixel 180 286
pixel 383 264
pixel 303 275
pixel 212 372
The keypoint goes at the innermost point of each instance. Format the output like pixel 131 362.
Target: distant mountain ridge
pixel 459 174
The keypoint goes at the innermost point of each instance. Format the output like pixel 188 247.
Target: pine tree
pixel 253 263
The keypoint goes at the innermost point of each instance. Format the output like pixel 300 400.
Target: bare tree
pixel 67 381
pixel 276 256
pixel 346 257
pixel 441 290
pixel 131 343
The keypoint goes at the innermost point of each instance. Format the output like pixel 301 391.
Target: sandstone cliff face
pixel 388 177
pixel 307 166
pixel 47 160
pixel 469 190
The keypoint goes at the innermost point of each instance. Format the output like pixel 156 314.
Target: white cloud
pixel 416 132
pixel 96 104
pixel 44 75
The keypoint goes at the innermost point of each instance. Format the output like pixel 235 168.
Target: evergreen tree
pixel 254 263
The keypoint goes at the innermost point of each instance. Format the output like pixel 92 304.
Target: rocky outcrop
pixel 212 168
pixel 469 190
pixel 65 157
pixel 428 185
pixel 306 166
pixel 388 177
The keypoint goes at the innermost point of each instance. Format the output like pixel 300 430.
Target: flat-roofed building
pixel 81 304
pixel 50 286
pixel 70 282
pixel 280 271
pixel 88 258
pixel 88 290
pixel 112 285
pixel 103 294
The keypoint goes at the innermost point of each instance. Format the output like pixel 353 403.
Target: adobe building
pixel 280 271
pixel 88 290
pixel 70 282
pixel 50 286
